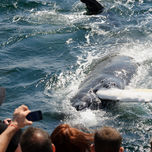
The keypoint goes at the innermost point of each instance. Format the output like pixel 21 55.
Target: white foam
pixel 87 117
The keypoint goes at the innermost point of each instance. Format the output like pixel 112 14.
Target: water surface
pixel 48 47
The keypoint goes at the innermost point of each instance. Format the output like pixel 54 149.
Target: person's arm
pixel 19 121
pixel 93 7
pixel 5 137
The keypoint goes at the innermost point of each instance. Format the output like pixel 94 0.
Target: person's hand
pixel 19 117
pixel 7 121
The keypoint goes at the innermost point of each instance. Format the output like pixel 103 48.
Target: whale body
pixel 112 72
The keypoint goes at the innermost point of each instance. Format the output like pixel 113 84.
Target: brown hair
pixel 68 139
pixel 107 139
pixel 35 140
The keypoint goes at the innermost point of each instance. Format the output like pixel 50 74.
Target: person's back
pixel 107 139
pixel 36 140
pixel 68 139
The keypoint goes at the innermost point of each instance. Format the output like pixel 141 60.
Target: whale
pixel 111 72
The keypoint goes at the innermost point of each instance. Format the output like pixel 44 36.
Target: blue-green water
pixel 48 47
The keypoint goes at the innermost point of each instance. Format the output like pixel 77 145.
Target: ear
pixel 92 148
pixel 121 149
pixel 53 148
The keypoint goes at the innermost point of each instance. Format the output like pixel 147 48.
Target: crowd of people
pixel 64 138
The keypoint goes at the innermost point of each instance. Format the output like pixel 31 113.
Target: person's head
pixel 36 140
pixel 107 139
pixel 68 139
pixel 14 143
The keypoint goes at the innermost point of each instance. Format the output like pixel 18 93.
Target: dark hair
pixel 15 139
pixel 68 139
pixel 35 140
pixel 107 139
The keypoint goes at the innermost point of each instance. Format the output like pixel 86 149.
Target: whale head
pixel 83 101
pixel 89 99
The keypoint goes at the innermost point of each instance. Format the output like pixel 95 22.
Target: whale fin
pixel 126 95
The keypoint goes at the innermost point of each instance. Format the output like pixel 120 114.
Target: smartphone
pixel 34 116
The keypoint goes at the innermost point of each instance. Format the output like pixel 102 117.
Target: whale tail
pixel 93 7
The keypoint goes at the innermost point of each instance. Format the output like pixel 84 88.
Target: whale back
pixel 119 69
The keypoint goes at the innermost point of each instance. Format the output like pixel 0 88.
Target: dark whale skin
pixel 113 72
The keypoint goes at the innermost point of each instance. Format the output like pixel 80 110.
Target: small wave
pixel 21 4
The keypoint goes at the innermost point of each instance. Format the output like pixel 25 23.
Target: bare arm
pixel 19 121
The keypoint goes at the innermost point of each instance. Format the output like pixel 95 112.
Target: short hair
pixel 35 140
pixel 107 139
pixel 12 146
pixel 68 139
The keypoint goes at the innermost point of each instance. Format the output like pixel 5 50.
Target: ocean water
pixel 47 48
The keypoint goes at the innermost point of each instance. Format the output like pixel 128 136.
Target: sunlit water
pixel 48 47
